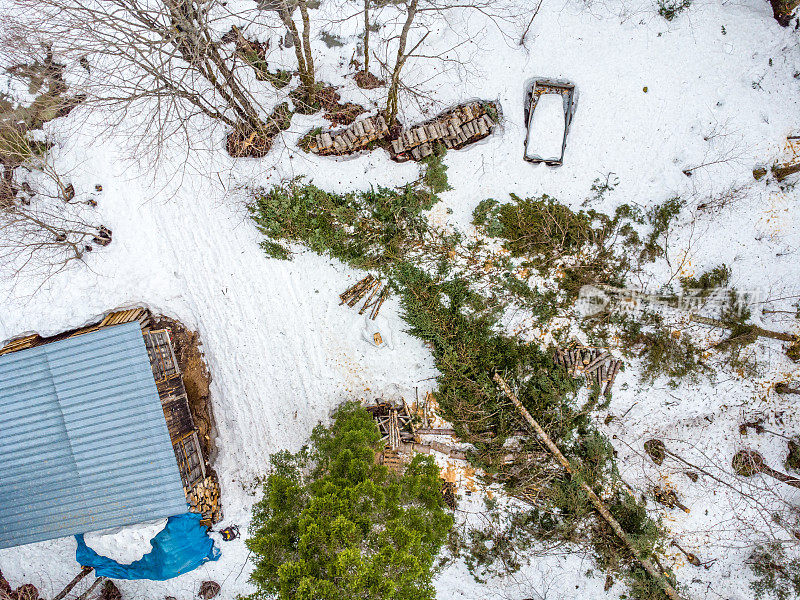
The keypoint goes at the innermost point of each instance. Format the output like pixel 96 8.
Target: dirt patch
pixel 368 81
pixel 336 112
pixel 196 380
pixel 256 144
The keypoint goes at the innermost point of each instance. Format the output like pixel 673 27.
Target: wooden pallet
pixel 162 356
pixel 115 318
pixel 177 415
pixel 394 423
pixel 29 341
pixel 190 460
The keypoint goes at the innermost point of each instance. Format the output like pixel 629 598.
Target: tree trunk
pixel 302 47
pixel 84 572
pixel 202 52
pixel 782 477
pixel 391 99
pixel 307 41
pixel 775 335
pixel 366 37
pixel 598 504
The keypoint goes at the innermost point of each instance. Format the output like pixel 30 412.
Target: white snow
pixel 721 92
pixel 125 544
pixel 546 128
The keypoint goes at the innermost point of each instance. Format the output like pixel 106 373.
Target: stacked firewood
pixel 351 139
pixel 454 129
pixel 596 366
pixel 370 287
pixel 204 499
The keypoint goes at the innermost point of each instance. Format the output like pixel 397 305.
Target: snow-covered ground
pixel 718 85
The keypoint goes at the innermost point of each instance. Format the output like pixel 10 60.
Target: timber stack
pixel 454 129
pixel 597 366
pixel 204 499
pixel 353 138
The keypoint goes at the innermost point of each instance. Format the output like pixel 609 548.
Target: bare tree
pixel 402 57
pixel 504 14
pixel 44 228
pixel 366 38
pixel 302 45
pixel 160 59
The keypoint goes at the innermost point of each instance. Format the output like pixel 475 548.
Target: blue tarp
pixel 182 546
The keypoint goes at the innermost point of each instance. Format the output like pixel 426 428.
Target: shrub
pixel 577 247
pixel 669 9
pixel 435 176
pixel 335 524
pixel 664 351
pixel 660 218
pixel 717 277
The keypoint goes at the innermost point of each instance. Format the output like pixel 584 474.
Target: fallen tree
pixel 595 499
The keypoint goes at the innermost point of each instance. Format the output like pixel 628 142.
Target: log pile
pixel 454 129
pixel 369 287
pixel 596 366
pixel 354 138
pixel 204 499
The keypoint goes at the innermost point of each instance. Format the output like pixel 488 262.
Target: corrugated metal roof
pixel 83 441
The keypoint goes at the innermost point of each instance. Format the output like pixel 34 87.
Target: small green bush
pixel 664 351
pixel 669 9
pixel 435 176
pixel 305 142
pixel 660 218
pixel 335 524
pixel 578 247
pixel 331 40
pixel 717 277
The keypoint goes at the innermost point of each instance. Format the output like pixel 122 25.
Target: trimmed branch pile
pixel 454 129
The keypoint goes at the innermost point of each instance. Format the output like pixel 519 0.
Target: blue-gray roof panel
pixel 84 443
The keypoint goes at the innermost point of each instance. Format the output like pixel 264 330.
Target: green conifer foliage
pixel 334 524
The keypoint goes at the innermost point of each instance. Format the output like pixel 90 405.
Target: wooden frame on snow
pixel 540 125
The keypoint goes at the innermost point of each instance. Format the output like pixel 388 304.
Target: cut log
pixel 594 498
pixel 597 362
pixel 95 583
pixel 612 375
pixel 84 572
pixel 379 303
